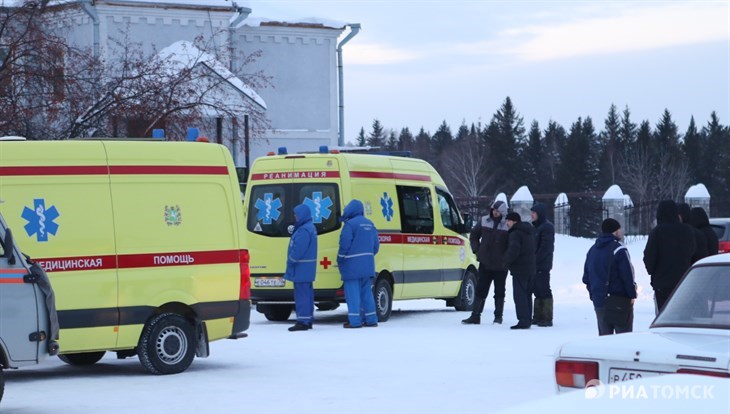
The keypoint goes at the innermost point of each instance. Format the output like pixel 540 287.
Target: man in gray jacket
pixel 488 241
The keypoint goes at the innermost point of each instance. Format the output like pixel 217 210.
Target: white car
pixel 690 336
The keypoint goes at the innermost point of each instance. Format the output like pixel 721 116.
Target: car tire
pixel 383 294
pixel 467 293
pixel 167 345
pixel 277 313
pixel 2 384
pixel 83 358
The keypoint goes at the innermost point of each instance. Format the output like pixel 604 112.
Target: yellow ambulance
pixel 141 241
pixel 423 253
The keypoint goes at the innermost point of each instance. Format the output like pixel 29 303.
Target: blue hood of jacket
pixel 303 213
pixel 353 209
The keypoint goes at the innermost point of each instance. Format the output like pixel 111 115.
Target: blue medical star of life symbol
pixel 387 203
pixel 320 207
pixel 268 208
pixel 40 220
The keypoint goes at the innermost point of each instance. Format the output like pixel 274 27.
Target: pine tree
pixel 555 138
pixel 503 137
pixel 693 147
pixel 377 136
pixel 441 139
pixel 532 159
pixel 392 143
pixel 715 161
pixel 405 140
pixel 610 148
pixel 462 133
pixel 422 149
pixel 361 138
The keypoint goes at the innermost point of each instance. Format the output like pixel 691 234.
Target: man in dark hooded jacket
pixel 544 247
pixel 356 260
pixel 700 240
pixel 608 272
pixel 521 262
pixel 301 266
pixel 698 218
pixel 488 241
pixel 668 252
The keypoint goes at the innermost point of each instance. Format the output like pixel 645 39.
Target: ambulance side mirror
pixel 8 244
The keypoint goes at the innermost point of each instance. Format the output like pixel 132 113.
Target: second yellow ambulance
pixel 423 253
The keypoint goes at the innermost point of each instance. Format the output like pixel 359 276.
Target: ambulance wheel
pixel 383 299
pixel 277 313
pixel 2 384
pixel 167 344
pixel 467 293
pixel 83 358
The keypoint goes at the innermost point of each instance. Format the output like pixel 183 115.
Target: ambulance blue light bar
pixel 282 151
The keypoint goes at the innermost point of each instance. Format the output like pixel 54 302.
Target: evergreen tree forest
pixel 649 160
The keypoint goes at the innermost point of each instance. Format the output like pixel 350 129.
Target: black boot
pixel 498 309
pixel 547 313
pixel 476 313
pixel 537 316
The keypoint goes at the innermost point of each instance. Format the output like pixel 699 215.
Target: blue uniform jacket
pixel 608 251
pixel 301 260
pixel 358 244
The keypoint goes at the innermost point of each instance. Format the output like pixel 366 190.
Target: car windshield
pixel 702 300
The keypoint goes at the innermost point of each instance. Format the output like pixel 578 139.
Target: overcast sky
pixel 417 63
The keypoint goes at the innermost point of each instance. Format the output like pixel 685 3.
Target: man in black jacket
pixel 699 219
pixel 521 262
pixel 700 240
pixel 488 241
pixel 544 247
pixel 668 252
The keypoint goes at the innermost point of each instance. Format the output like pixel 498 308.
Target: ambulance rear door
pixel 318 186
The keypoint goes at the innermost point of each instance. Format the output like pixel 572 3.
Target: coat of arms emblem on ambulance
pixel 173 216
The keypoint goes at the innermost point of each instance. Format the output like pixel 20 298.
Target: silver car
pixel 691 335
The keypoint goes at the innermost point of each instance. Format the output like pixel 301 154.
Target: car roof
pixel 714 259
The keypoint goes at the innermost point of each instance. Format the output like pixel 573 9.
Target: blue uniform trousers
pixel 360 301
pixel 304 302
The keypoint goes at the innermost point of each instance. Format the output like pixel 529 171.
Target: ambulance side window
pixel 324 202
pixel 449 213
pixel 416 210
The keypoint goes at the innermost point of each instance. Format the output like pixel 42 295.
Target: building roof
pixel 184 54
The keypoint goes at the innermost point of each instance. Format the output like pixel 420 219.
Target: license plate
pixel 269 282
pixel 621 375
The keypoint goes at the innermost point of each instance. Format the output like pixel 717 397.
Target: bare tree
pixel 465 168
pixel 57 91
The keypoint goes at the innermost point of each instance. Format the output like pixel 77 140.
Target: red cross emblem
pixel 325 263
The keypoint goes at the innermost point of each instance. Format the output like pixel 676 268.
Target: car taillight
pixel 724 247
pixel 575 374
pixel 702 372
pixel 245 292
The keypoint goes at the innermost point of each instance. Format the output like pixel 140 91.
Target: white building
pixel 300 57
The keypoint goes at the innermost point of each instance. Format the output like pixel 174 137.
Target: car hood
pixel 708 348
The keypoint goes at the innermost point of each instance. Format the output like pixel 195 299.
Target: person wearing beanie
pixel 700 239
pixel 544 248
pixel 488 240
pixel 608 273
pixel 668 252
pixel 521 262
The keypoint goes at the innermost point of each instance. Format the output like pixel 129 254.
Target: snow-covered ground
pixel 423 360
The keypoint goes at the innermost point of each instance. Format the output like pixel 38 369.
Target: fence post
pixel 562 214
pixel 613 204
pixel 698 196
pixel 521 203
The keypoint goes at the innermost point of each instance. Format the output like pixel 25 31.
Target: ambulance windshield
pixel 271 207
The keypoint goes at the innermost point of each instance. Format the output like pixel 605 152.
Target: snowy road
pixel 421 361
